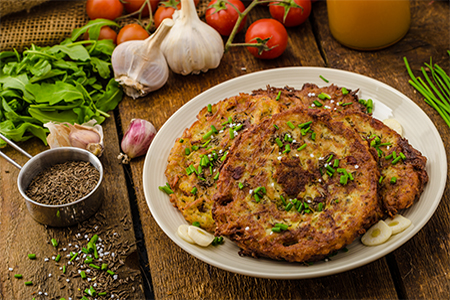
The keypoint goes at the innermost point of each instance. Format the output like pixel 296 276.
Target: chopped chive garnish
pixel 224 156
pixel 345 104
pixel 240 185
pixel 187 151
pixel 329 168
pixel 239 127
pixel 196 224
pixel 350 176
pixel 276 229
pixel 394 154
pixel 393 180
pixel 189 171
pixel 257 198
pixel 54 242
pixel 313 136
pixel 194 148
pixel 28 283
pixel 102 294
pixel 214 129
pixel 324 96
pixel 282 226
pixel 381 179
pixel 343 179
pixel 283 200
pixel 83 275
pixel 300 206
pixel 230 120
pixel 304 124
pixel 88 260
pixel 289 206
pixel 274 125
pixel 18 276
pixel 94 266
pixel 209 108
pixel 166 189
pixel 287 148
pixel 64 270
pixel 289 123
pixel 301 147
pixel 111 272
pixel 74 256
pixel 32 256
pixel 216 176
pixel 279 142
pixel 317 103
pixel 320 207
pixel 396 160
pixel 329 158
pixel 402 155
pixel 278 96
pixel 58 257
pixel 388 156
pixel 336 163
pixel 208 134
pixel 200 170
pixel 231 133
pixel 324 79
pixel 344 91
pixel 181 141
pixel 201 178
pixel 194 190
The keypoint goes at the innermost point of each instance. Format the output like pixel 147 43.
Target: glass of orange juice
pixel 368 24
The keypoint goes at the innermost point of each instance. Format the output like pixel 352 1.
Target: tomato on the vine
pixel 132 6
pixel 291 14
pixel 222 16
pixel 131 32
pixel 271 36
pixel 104 9
pixel 106 33
pixel 165 11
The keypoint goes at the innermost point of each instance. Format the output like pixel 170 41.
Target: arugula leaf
pixel 94 27
pixel 18 133
pixel 111 97
pixel 54 93
pixel 101 66
pixel 77 52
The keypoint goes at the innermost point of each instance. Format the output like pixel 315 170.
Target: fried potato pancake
pixel 297 187
pixel 193 177
pixel 401 166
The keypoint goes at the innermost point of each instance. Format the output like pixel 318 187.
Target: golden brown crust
pixel 244 110
pixel 411 176
pixel 332 214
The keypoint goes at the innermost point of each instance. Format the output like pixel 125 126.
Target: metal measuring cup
pixel 64 214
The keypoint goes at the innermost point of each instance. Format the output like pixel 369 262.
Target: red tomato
pixel 104 9
pixel 222 16
pixel 166 10
pixel 295 15
pixel 106 33
pixel 131 32
pixel 271 34
pixel 132 6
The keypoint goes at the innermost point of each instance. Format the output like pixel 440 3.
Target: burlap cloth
pixel 47 22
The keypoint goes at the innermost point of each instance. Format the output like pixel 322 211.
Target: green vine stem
pixel 262 45
pixel 139 13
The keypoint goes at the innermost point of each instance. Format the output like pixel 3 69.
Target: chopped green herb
pixel 194 190
pixel 196 224
pixel 94 266
pixel 313 136
pixel 336 163
pixel 64 269
pixel 231 133
pixel 112 273
pixel 345 104
pixel 344 91
pixel 289 206
pixel 58 257
pixel 287 148
pixel 28 283
pixel 279 142
pixel 283 200
pixel 289 123
pixel 396 160
pixel 224 156
pixel 208 134
pixel 74 256
pixel 403 156
pixel 240 185
pixel 393 180
pixel 324 79
pixel 274 125
pixel 304 124
pixel 320 207
pixel 32 256
pixel 257 198
pixel 301 147
pixel 329 158
pixel 166 189
pixel 317 103
pixel 278 96
pixel 83 275
pixel 343 179
pixel 181 141
pixel 102 294
pixel 216 176
pixel 209 108
pixel 187 151
pixel 18 276
pixel 214 129
pixel 381 179
pixel 54 243
pixel 195 148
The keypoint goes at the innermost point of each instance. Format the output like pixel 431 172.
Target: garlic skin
pixel 140 66
pixel 88 136
pixel 137 139
pixel 192 46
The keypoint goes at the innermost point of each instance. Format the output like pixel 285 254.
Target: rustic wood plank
pixel 21 235
pixel 423 263
pixel 178 275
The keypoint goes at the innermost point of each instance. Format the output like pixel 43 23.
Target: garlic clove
pixel 183 233
pixel 137 139
pixel 398 223
pixel 140 66
pixel 88 136
pixel 377 234
pixel 200 236
pixel 192 46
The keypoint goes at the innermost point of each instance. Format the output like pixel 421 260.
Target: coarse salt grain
pixel 50 275
pixel 70 245
pixel 46 259
pixel 68 280
pixel 356 166
pixel 312 155
pixel 10 269
pixel 88 271
pixel 39 293
pixel 53 257
pixel 64 249
pixel 76 246
pixel 115 277
pixel 251 191
pixel 86 236
pixel 89 279
pixel 95 284
pixel 45 294
pixel 279 157
pixel 247 228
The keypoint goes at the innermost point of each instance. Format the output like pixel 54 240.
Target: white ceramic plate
pixel 389 103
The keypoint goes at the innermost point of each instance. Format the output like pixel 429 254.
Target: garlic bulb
pixel 191 46
pixel 88 136
pixel 140 66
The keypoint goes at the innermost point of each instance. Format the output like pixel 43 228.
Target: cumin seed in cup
pixel 63 183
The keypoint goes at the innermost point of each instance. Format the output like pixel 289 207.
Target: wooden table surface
pixel 150 265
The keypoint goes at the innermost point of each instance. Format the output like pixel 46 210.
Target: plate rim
pixel 409 235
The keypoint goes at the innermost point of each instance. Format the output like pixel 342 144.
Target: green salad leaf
pixel 70 82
